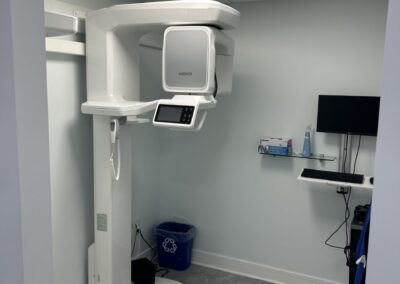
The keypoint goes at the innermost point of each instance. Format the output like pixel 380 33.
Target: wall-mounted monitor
pixel 356 115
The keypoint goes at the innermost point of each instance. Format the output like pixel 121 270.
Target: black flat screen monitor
pixel 348 114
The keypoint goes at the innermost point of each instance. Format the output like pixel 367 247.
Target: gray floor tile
pixel 202 275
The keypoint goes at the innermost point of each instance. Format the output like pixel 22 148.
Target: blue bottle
pixel 307 142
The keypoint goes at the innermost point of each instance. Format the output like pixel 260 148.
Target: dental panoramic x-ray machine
pixel 197 65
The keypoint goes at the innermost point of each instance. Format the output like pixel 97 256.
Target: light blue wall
pixel 244 205
pixel 252 207
pixel 146 152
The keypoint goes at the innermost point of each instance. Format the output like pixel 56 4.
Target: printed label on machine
pixel 102 222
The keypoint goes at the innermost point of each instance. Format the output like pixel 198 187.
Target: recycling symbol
pixel 169 245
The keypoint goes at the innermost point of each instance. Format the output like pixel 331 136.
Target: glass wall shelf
pixel 320 157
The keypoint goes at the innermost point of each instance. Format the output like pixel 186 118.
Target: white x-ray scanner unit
pixel 197 67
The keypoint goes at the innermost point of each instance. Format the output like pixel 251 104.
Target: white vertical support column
pixel 113 206
pixel 102 198
pixel 384 246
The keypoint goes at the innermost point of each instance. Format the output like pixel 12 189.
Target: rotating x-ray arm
pixel 224 44
pixel 113 35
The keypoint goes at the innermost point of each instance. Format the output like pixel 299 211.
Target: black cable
pixel 346 248
pixel 346 218
pixel 345 222
pixel 334 232
pixel 347 209
pixel 166 271
pixel 358 150
pixel 348 213
pixel 346 201
pixel 138 230
pixel 342 190
pixel 147 243
pixel 346 141
pixel 345 155
pixel 134 244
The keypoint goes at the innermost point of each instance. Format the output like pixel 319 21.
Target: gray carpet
pixel 202 275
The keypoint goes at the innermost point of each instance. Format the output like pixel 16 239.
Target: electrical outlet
pixel 136 227
pixel 137 224
pixel 139 239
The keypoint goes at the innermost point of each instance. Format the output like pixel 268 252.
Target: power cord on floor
pixel 346 248
pixel 134 241
pixel 147 243
pixel 166 271
pixel 343 192
pixel 138 231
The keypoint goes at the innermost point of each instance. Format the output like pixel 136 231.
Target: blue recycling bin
pixel 174 245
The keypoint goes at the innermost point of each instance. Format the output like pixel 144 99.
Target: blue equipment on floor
pixel 359 232
pixel 174 245
pixel 361 254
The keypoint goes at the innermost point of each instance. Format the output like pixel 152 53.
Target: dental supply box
pixel 276 146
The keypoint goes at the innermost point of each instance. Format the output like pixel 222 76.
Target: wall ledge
pixel 65 47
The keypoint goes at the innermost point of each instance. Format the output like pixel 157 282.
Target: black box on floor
pixel 143 271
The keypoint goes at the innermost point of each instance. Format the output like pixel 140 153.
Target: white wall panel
pixel 252 207
pixel 384 233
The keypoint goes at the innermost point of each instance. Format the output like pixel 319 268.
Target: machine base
pixel 160 280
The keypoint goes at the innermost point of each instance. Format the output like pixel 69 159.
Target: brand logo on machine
pixel 185 73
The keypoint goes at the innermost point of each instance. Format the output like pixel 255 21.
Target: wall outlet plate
pixel 137 224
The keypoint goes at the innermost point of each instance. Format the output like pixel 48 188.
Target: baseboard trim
pixel 254 270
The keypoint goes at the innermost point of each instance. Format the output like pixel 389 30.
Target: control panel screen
pixel 174 114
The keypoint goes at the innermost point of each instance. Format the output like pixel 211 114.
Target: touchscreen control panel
pixel 176 114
